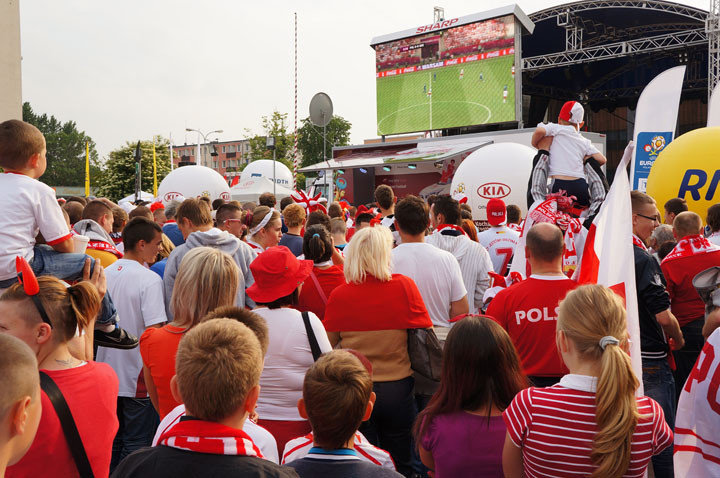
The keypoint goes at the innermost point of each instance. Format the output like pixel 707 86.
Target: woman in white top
pixel 278 276
pixel 264 229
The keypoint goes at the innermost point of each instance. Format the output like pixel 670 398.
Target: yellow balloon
pixel 689 167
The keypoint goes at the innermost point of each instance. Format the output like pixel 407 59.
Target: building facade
pixel 225 157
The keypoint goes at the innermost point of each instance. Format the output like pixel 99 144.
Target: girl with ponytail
pixel 327 272
pixel 591 423
pixel 47 319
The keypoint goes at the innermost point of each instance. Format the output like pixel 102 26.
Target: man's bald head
pixel 687 224
pixel 544 242
pixel 19 372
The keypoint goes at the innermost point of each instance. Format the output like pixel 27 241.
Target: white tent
pixel 143 196
pixel 252 188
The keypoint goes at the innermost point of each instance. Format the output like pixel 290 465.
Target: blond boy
pixel 218 366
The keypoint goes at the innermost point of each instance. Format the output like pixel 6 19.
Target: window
pixel 223 163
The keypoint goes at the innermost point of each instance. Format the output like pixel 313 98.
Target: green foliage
pixel 310 139
pixel 118 176
pixel 274 125
pixel 65 150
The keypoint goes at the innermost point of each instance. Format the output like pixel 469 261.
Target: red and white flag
pixel 697 437
pixel 608 256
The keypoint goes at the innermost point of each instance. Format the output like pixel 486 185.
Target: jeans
pixel 577 188
pixel 659 385
pixel 390 424
pixel 48 262
pixel 138 422
pixel 686 357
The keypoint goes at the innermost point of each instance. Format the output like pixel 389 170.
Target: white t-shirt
pixel 500 242
pixel 28 207
pixel 137 293
pixel 262 438
pixel 437 275
pixel 568 150
pixel 287 359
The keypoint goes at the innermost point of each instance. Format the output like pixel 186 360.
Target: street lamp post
pixel 204 137
pixel 270 144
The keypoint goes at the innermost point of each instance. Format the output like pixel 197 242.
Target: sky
pixel 130 70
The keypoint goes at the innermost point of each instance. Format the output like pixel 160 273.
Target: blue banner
pixel 648 147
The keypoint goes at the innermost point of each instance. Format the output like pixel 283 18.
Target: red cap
pixel 277 272
pixel 156 205
pixel 572 112
pixel 496 212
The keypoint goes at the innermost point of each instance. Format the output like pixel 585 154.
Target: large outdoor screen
pixel 460 76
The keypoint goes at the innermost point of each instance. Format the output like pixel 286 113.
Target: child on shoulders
pixel 567 151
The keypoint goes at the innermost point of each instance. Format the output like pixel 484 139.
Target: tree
pixel 274 125
pixel 65 150
pixel 310 139
pixel 118 177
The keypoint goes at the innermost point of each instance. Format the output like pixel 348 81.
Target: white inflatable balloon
pixel 193 182
pixel 499 170
pixel 264 168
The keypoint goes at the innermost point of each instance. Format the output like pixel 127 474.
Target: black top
pixel 652 299
pixel 166 462
pixel 313 467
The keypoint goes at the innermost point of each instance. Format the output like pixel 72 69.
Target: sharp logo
pixel 493 190
pixel 436 26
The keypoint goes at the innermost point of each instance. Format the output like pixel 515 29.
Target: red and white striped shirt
pixel 366 451
pixel 555 427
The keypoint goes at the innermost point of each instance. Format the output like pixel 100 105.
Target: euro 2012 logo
pixel 460 189
pixel 655 146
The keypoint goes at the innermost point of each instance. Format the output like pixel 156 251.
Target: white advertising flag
pixel 655 120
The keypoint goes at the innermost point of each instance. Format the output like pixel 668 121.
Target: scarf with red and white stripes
pixel 209 437
pixel 691 246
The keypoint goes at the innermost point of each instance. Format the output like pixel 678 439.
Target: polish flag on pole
pixel 608 256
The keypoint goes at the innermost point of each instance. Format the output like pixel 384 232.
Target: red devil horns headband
pixel 27 278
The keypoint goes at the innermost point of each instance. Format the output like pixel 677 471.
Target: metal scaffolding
pixel 615 50
pixel 712 28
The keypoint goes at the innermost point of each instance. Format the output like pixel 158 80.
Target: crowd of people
pixel 203 338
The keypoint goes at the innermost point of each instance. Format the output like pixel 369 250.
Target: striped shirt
pixel 300 447
pixel 555 427
pixel 474 261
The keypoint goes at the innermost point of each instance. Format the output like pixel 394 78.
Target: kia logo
pixel 225 196
pixel 493 190
pixel 170 196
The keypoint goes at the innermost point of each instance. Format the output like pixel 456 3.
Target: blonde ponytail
pixel 589 316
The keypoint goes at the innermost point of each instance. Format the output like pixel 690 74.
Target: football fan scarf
pixel 691 246
pixel 208 437
pixel 639 243
pixel 450 230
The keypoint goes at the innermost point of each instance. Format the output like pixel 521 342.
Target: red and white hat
pixel 572 112
pixel 496 212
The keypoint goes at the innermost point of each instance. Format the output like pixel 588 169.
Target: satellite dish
pixel 321 109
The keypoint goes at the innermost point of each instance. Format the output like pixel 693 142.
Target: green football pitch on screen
pixel 478 92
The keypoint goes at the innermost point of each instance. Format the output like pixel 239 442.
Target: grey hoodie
pixel 93 230
pixel 217 239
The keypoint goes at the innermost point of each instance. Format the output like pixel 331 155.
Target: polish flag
pixel 608 256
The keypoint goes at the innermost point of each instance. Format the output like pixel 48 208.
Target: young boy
pixel 97 225
pixel 337 398
pixel 294 217
pixel 20 407
pixel 338 231
pixel 568 150
pixel 139 295
pixel 262 438
pixel 29 207
pixel 217 377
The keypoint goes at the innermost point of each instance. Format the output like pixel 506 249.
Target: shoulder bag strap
pixel 321 292
pixel 314 346
pixel 67 422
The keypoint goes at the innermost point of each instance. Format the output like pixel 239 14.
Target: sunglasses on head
pixel 27 278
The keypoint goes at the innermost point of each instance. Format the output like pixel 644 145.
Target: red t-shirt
pixel 528 311
pixel 310 299
pixel 555 427
pixel 685 302
pixel 91 392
